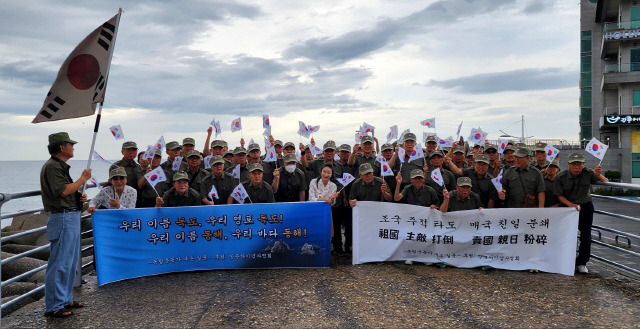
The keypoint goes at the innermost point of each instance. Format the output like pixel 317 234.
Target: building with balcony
pixel 610 82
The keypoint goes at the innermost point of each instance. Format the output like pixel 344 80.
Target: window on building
pixel 585 98
pixel 585 63
pixel 635 59
pixel 636 98
pixel 635 16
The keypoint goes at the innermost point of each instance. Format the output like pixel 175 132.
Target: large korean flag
pixel 81 80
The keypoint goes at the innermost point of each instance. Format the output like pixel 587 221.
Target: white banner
pixel 512 239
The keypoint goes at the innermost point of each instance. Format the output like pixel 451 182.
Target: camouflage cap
pixel 253 147
pixel 117 172
pixel 173 145
pixel 129 145
pixel 539 147
pixel 239 150
pixel 289 144
pixel 277 142
pixel 409 137
pixel 415 173
pixel 366 139
pixel 436 153
pixel 482 158
pixel 464 181
pixel 217 143
pixel 522 152
pixel 194 153
pixel 189 141
pixel 365 168
pixel 289 157
pixel 180 175
pixel 345 147
pixel 329 145
pixel 386 146
pixel 61 137
pixel 255 166
pixel 576 157
pixel 216 159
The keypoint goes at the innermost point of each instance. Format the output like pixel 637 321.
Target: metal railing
pixel 4 198
pixel 619 235
pixel 621 67
pixel 621 110
pixel 622 25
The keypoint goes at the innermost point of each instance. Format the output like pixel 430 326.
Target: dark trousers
pixel 342 217
pixel 584 226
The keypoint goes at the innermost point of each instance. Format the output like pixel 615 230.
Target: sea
pixel 24 176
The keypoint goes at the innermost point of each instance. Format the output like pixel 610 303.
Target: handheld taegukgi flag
pixel 459 127
pixel 155 176
pixel 346 180
pixel 367 128
pixel 358 136
pixel 98 157
pixel 177 162
pixel 236 172
pixel 497 182
pixel 94 182
pixel 436 175
pixel 314 150
pixel 239 193
pixel 213 193
pixel 236 125
pixel 393 133
pixel 551 152
pixel 149 153
pixel 401 154
pixel 303 130
pixel 271 155
pixel 448 142
pixel 478 136
pixel 502 144
pixel 313 129
pixel 206 160
pixel 596 148
pixel 265 121
pixel 267 132
pixel 406 131
pixel 385 170
pixel 216 126
pixel 82 79
pixel 429 123
pixel 417 153
pixel 116 131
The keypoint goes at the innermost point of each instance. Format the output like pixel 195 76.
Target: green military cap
pixel 129 145
pixel 277 142
pixel 576 157
pixel 431 139
pixel 345 147
pixel 158 153
pixel 255 166
pixel 289 157
pixel 194 153
pixel 216 159
pixel 366 139
pixel 329 145
pixel 228 152
pixel 415 173
pixel 470 154
pixel 555 162
pixel 436 153
pixel 386 146
pixel 482 158
pixel 173 145
pixel 522 152
pixel 253 147
pixel 223 143
pixel 117 172
pixel 491 146
pixel 217 143
pixel 239 150
pixel 289 144
pixel 409 137
pixel 61 137
pixel 520 145
pixel 459 150
pixel 464 181
pixel 365 168
pixel 180 175
pixel 189 141
pixel 509 147
pixel 539 147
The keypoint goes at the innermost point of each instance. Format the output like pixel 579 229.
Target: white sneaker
pixel 408 262
pixel 583 269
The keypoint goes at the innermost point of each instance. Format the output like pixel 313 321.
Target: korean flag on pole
pixel 436 175
pixel 213 193
pixel 385 170
pixel 116 131
pixel 303 130
pixel 497 182
pixel 265 121
pixel 346 179
pixel 417 153
pixel 155 176
pixel 596 148
pixel 393 133
pixel 271 155
pixel 177 162
pixel 429 123
pixel 551 152
pixel 502 144
pixel 236 172
pixel 236 125
pixel 98 157
pixel 150 152
pixel 367 128
pixel 478 136
pixel 239 193
pixel 445 142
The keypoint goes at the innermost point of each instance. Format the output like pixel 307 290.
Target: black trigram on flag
pixel 106 33
pixel 53 106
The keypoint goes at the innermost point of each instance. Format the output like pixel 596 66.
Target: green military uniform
pixel 263 193
pixel 134 172
pixel 54 176
pixel 190 198
pixel 481 185
pixel 449 183
pixel 224 185
pixel 456 203
pixel 366 192
pixel 425 196
pixel 519 183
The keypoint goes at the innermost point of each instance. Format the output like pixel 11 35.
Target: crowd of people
pixel 528 180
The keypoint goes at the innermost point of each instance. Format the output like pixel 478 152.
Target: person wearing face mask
pixel 116 196
pixel 289 183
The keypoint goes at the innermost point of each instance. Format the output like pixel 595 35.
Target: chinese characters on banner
pixel 514 239
pixel 148 241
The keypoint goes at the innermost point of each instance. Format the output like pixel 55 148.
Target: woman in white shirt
pixel 323 189
pixel 117 196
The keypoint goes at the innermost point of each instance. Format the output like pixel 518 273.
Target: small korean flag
pixel 596 148
pixel 346 179
pixel 155 176
pixel 429 123
pixel 213 193
pixel 206 160
pixel 436 175
pixel 385 170
pixel 265 121
pixel 393 133
pixel 502 144
pixel 236 125
pixel 239 193
pixel 497 182
pixel 236 172
pixel 551 152
pixel 177 162
pixel 271 155
pixel 116 131
pixel 367 128
pixel 416 154
pixel 477 136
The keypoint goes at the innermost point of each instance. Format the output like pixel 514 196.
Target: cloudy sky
pixel 179 64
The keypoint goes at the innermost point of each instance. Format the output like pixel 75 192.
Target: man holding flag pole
pixel 81 84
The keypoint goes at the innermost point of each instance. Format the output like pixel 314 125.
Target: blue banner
pixel 133 243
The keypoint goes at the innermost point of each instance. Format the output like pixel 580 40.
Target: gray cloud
pixel 517 80
pixel 389 31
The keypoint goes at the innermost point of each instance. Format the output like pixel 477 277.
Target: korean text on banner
pixel 513 239
pixel 148 241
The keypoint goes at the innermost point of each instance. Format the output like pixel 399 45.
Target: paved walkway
pixel 378 295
